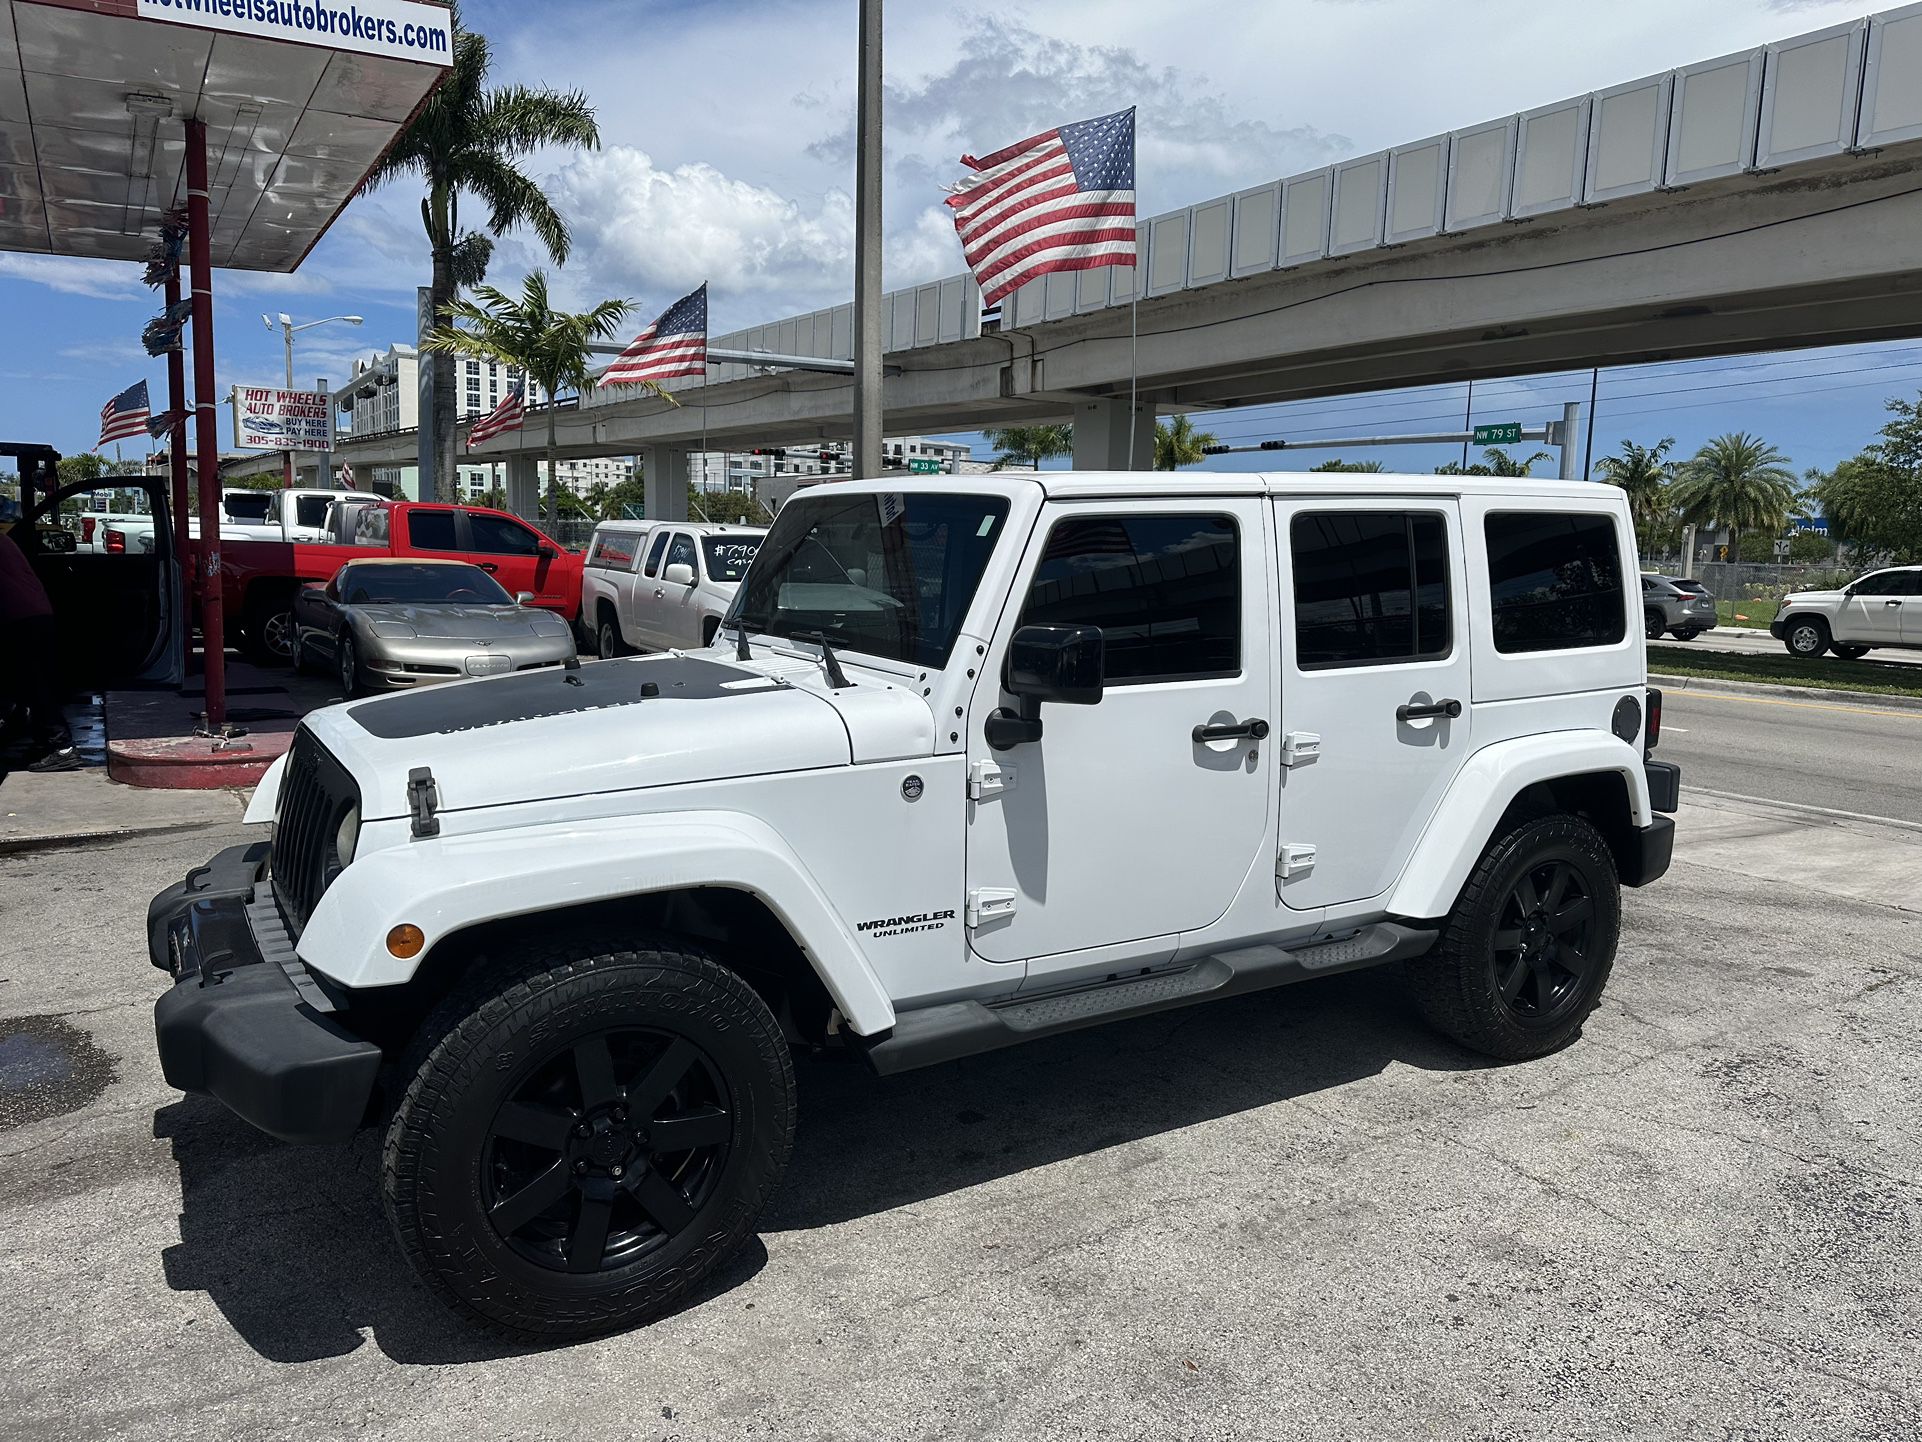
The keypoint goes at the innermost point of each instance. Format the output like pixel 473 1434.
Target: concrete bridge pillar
pixel 1101 428
pixel 664 471
pixel 524 486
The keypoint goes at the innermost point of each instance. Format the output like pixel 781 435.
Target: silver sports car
pixel 385 624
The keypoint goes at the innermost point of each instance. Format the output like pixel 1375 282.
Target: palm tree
pixel 1644 473
pixel 1030 445
pixel 469 138
pixel 1338 464
pixel 1178 443
pixel 1495 462
pixel 1736 480
pixel 548 345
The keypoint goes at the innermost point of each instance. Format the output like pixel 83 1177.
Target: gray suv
pixel 1684 609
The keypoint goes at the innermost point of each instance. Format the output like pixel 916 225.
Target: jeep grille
pixel 315 794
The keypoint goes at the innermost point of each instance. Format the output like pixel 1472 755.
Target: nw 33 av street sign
pixel 1506 433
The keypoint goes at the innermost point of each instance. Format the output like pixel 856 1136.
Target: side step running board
pixel 944 1033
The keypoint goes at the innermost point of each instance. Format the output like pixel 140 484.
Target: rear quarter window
pixel 1555 581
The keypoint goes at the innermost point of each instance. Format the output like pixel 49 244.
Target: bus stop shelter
pixel 248 123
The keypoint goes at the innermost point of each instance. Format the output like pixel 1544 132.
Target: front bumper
pixel 244 1022
pixel 1779 629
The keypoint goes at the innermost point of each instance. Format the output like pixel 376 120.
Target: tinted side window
pixel 1165 591
pixel 499 536
pixel 431 530
pixel 1371 587
pixel 655 554
pixel 310 510
pixel 1555 581
pixel 681 553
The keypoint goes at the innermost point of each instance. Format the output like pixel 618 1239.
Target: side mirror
pixel 679 574
pixel 1063 664
pixel 545 551
pixel 523 598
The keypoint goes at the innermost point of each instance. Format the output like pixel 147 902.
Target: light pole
pixel 287 329
pixel 868 417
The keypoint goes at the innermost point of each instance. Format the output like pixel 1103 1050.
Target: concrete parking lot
pixel 1295 1215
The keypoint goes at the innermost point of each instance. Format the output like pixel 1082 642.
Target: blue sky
pixel 726 157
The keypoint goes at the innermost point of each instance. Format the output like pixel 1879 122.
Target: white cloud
pixel 654 233
pixel 96 279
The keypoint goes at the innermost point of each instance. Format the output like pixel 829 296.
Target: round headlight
pixel 348 836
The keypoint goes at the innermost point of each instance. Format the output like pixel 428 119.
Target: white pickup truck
pixel 251 515
pixel 658 585
pixel 974 764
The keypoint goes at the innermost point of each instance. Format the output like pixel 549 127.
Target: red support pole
pixel 213 631
pixel 177 466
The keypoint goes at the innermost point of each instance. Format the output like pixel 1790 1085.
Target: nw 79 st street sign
pixel 1504 433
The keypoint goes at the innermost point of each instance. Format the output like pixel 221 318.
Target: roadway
pixel 1752 642
pixel 1861 759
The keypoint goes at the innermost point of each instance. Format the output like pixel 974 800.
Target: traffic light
pixel 776 452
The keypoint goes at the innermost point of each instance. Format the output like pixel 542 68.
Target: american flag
pixel 675 345
pixel 1060 200
pixel 125 415
pixel 506 416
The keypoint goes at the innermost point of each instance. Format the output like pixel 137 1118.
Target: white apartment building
pixel 383 394
pixel 807 460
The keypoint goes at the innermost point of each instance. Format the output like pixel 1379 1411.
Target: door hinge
pixel 985 779
pixel 1299 746
pixel 989 903
pixel 1296 857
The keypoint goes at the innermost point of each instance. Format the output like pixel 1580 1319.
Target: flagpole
pixel 1134 331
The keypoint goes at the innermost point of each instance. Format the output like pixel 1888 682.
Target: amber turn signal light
pixel 405 941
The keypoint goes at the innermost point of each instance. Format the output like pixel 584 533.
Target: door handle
pixel 1420 710
pixel 1896 602
pixel 1255 730
pixel 487 566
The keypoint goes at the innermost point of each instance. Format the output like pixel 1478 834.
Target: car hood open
pixel 643 721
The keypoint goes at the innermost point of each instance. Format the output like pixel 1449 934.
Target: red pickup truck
pixel 259 579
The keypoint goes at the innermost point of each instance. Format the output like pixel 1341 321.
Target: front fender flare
pixel 1493 777
pixel 446 884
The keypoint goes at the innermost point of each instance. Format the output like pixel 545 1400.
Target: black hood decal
pixel 553 691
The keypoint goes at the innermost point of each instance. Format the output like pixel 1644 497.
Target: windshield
pixel 727 556
pixel 420 585
pixel 888 574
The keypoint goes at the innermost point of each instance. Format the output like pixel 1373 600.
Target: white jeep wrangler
pixel 970 765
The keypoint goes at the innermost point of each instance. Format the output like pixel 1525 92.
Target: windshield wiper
pixel 837 678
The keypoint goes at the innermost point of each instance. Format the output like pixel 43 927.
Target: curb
pixel 81 840
pixel 1670 682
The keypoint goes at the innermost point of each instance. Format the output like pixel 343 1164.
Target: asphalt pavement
pixel 1298 1214
pixel 1750 641
pixel 1799 748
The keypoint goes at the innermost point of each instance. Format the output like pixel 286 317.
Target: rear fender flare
pixel 1491 779
pixel 446 884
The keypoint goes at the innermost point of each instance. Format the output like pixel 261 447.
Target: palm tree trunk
pixel 553 469
pixel 446 482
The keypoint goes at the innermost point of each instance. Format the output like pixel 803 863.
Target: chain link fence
pixel 1755 581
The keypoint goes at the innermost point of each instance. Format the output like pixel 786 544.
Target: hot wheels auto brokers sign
pixel 275 420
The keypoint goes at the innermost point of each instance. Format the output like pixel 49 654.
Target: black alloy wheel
pixel 1653 625
pixel 606 1150
pixel 1541 944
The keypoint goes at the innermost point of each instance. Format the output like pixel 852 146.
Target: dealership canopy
pixel 299 101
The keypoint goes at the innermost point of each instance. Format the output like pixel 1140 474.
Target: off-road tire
pixel 502 1026
pixel 1456 983
pixel 1847 652
pixel 1807 637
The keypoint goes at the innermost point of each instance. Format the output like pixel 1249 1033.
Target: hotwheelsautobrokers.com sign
pixel 272 420
pixel 403 29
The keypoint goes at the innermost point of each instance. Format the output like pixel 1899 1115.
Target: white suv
pixel 1882 609
pixel 658 585
pixel 974 763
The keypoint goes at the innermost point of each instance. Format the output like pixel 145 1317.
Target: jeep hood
pixel 643 721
